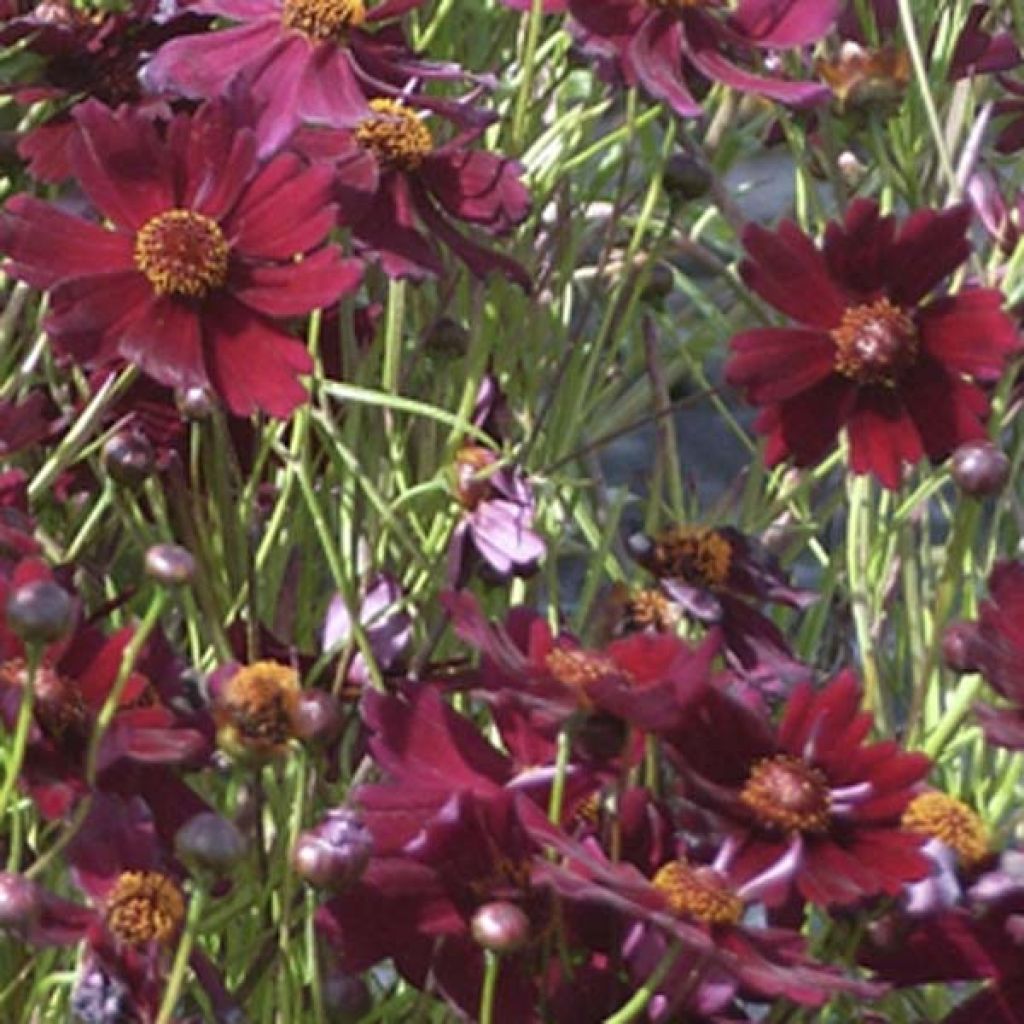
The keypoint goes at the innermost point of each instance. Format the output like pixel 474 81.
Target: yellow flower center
pixel 787 793
pixel 182 253
pixel 875 344
pixel 576 668
pixel 646 608
pixel 320 20
pixel 145 905
pixel 698 892
pixel 256 711
pixel 395 135
pixel 696 554
pixel 945 818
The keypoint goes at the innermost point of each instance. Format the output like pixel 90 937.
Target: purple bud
pixel 685 177
pixel 318 717
pixel 500 927
pixel 170 565
pixel 600 736
pixel 19 903
pixel 335 853
pixel 195 403
pixel 659 284
pixel 128 458
pixel 980 469
pixel 959 646
pixel 347 997
pixel 447 339
pixel 210 842
pixel 40 612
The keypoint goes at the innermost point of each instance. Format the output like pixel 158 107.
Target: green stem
pixel 636 1006
pixel 526 85
pixel 188 937
pixel 21 730
pixel 557 798
pixel 492 968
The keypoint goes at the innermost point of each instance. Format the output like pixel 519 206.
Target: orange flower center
pixel 395 135
pixel 182 253
pixel 646 608
pixel 698 892
pixel 697 554
pixel 787 793
pixel 577 669
pixel 945 818
pixel 471 483
pixel 320 20
pixel 59 708
pixel 875 344
pixel 144 905
pixel 256 711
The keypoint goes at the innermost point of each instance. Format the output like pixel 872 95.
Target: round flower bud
pixel 318 717
pixel 959 641
pixel 210 842
pixel 447 339
pixel 40 612
pixel 195 403
pixel 685 177
pixel 346 997
pixel 660 282
pixel 500 927
pixel 640 547
pixel 128 458
pixel 19 903
pixel 980 469
pixel 170 565
pixel 335 853
pixel 600 736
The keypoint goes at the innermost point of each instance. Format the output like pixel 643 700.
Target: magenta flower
pixel 658 45
pixel 193 265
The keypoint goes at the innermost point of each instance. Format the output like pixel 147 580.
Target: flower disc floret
pixel 875 343
pixel 182 252
pixel 786 792
pixel 698 892
pixel 395 135
pixel 952 822
pixel 321 20
pixel 144 905
pixel 697 554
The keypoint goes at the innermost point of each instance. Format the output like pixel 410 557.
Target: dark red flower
pixel 996 648
pixel 309 60
pixel 869 353
pixel 979 51
pixel 808 801
pixel 196 264
pixel 656 44
pixel 398 187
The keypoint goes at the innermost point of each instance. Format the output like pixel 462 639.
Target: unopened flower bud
pixel 335 853
pixel 210 842
pixel 128 458
pixel 40 612
pixel 685 177
pixel 170 565
pixel 447 339
pixel 346 997
pixel 660 282
pixel 600 736
pixel 500 927
pixel 318 717
pixel 195 403
pixel 19 903
pixel 980 469
pixel 959 641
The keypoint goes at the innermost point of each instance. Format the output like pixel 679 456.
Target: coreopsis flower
pixel 495 526
pixel 193 266
pixel 861 78
pixel 996 650
pixel 399 187
pixel 980 51
pixel 647 679
pixel 310 60
pixel 808 800
pixel 869 352
pixel 716 575
pixel 702 907
pixel 658 45
pixel 255 708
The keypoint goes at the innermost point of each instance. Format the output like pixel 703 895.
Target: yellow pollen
pixel 649 609
pixel 875 344
pixel 697 554
pixel 320 20
pixel 256 710
pixel 577 668
pixel 947 819
pixel 396 136
pixel 182 253
pixel 698 892
pixel 787 793
pixel 145 905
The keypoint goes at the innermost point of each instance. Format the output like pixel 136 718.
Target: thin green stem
pixel 635 1007
pixel 21 730
pixel 188 936
pixel 492 969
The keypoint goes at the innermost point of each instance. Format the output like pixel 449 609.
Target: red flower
pixel 311 60
pixel 808 801
pixel 656 43
pixel 196 263
pixel 899 373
